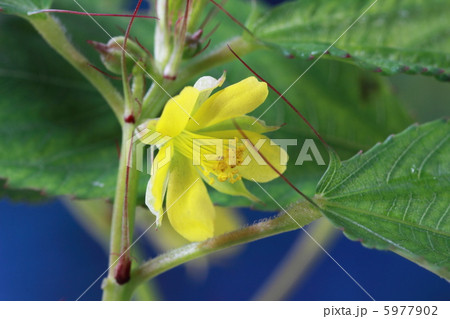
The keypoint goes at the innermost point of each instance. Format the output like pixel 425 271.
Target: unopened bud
pixel 193 44
pixel 111 54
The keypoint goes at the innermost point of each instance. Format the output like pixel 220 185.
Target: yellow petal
pixel 207 84
pixel 166 238
pixel 177 112
pixel 227 220
pixel 234 101
pixel 157 184
pixel 235 189
pixel 189 207
pixel 258 169
pixel 254 166
pixel 245 122
pixel 147 134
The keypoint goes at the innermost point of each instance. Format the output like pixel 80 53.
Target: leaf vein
pixel 402 155
pixel 430 154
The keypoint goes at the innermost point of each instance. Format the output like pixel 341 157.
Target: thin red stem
pixel 272 166
pixel 213 30
pixel 211 15
pixel 143 48
pixel 283 97
pixel 231 16
pixel 185 20
pixel 124 266
pixel 127 33
pixel 123 269
pixel 122 30
pixel 124 48
pixel 140 106
pixel 91 14
pixel 104 73
pixel 204 48
pixel 125 229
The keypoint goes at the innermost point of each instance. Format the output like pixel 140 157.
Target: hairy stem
pixel 52 31
pixel 126 193
pixel 303 213
pixel 154 100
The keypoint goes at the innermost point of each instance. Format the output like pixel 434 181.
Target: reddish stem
pixel 104 73
pixel 273 167
pixel 231 16
pixel 124 265
pixel 210 15
pixel 91 14
pixel 144 48
pixel 204 48
pixel 140 105
pixel 212 32
pixel 281 96
pixel 127 33
pixel 185 20
pixel 123 269
pixel 124 48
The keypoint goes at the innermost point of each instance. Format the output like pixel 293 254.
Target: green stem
pixel 113 291
pixel 52 31
pixel 303 213
pixel 154 100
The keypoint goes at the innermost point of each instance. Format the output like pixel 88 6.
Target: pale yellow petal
pixel 157 185
pixel 147 134
pixel 166 238
pixel 177 112
pixel 188 205
pixel 207 84
pixel 235 189
pixel 258 149
pixel 244 122
pixel 258 169
pixel 234 101
pixel 227 220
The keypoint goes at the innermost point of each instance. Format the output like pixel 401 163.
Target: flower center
pixel 226 169
pixel 218 159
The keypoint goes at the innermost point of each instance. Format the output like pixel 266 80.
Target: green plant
pixel 393 196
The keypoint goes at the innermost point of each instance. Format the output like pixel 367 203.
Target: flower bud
pixel 193 44
pixel 111 54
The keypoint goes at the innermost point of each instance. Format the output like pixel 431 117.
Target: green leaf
pixel 23 7
pixel 396 196
pixel 57 134
pixel 57 137
pixel 410 36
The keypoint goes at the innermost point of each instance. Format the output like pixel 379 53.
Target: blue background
pixel 46 255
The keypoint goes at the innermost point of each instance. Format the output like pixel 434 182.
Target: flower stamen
pixel 217 159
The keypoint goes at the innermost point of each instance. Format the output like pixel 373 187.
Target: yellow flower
pixel 198 141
